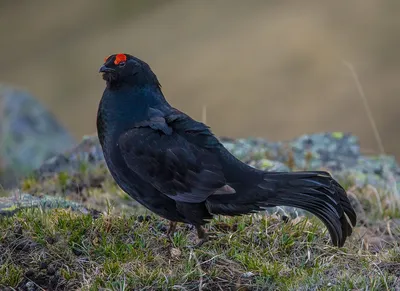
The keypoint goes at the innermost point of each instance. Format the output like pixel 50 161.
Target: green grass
pixel 66 250
pixel 125 249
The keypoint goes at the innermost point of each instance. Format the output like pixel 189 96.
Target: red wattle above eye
pixel 119 58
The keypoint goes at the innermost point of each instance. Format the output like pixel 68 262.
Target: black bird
pixel 175 166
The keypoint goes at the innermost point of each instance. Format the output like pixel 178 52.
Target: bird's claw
pixel 208 237
pixel 204 236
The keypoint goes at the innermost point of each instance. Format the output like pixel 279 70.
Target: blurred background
pixel 271 69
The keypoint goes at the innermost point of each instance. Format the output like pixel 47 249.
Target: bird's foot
pixel 204 236
pixel 171 230
pixel 209 236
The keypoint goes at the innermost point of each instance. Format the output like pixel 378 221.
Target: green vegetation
pixel 67 250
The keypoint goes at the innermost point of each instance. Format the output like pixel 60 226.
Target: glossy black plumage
pixel 175 166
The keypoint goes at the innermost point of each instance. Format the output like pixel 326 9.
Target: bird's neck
pixel 121 108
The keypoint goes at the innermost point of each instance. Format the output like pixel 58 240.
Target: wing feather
pixel 178 168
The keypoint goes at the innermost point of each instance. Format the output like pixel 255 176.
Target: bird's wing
pixel 175 166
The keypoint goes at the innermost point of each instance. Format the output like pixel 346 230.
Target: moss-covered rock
pixel 18 201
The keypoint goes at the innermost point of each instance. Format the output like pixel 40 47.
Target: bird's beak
pixel 105 69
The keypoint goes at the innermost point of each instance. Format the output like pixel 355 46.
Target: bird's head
pixel 124 69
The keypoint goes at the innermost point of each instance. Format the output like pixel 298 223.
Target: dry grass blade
pixel 393 185
pixel 366 106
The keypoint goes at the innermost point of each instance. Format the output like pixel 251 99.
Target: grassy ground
pixel 64 250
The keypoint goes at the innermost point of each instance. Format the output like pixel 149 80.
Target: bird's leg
pixel 203 236
pixel 171 230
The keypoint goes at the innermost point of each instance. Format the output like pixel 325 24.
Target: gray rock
pixel 29 135
pixel 18 201
pixel 88 153
pixel 335 151
pixel 381 172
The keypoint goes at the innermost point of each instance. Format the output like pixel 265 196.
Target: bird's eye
pixel 121 64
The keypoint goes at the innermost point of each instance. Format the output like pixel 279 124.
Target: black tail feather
pixel 316 192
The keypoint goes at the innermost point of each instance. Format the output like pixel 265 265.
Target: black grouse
pixel 175 166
